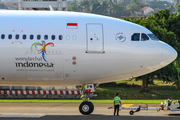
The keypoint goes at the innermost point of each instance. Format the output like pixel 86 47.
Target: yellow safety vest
pixel 116 100
pixel 83 97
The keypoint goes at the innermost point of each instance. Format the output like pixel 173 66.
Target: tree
pixel 110 6
pixel 177 76
pixel 133 7
pixel 125 2
pixel 157 5
pixel 73 6
pixel 96 8
pixel 178 8
pixel 104 8
pixel 176 2
pixel 119 10
pixel 85 5
pixel 150 13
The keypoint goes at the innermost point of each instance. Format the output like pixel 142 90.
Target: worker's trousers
pixel 116 107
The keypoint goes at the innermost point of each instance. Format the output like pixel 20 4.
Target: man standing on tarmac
pixel 117 103
pixel 83 97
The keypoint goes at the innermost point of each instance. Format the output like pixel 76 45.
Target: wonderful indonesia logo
pixel 36 61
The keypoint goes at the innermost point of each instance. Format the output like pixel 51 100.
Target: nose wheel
pixel 86 108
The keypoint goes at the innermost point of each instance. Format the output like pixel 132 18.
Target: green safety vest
pixel 83 97
pixel 116 100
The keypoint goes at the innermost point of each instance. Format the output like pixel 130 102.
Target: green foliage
pixel 73 6
pixel 103 7
pixel 177 2
pixel 126 2
pixel 178 8
pixel 150 14
pixel 157 4
pixel 96 8
pixel 85 5
pixel 133 6
pixel 118 8
pixel 165 26
pixel 177 76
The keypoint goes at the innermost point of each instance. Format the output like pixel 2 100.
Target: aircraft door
pixel 95 38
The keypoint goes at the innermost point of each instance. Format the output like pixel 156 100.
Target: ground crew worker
pixel 83 97
pixel 117 103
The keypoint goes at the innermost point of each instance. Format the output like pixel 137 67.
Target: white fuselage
pixel 86 49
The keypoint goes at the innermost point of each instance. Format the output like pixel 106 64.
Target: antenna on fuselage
pixel 51 9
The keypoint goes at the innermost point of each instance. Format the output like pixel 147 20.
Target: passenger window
pixel 31 37
pixel 38 37
pixel 46 37
pixel 10 36
pixel 17 36
pixel 60 37
pixel 24 37
pixel 144 37
pixel 2 36
pixel 53 37
pixel 135 37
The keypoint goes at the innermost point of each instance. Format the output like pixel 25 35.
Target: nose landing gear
pixel 87 107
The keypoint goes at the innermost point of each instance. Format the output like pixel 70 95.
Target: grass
pixel 158 91
pixel 156 82
pixel 155 93
pixel 79 101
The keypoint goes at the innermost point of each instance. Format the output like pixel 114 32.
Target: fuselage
pixel 68 49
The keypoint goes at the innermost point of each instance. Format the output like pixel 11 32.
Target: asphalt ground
pixel 70 111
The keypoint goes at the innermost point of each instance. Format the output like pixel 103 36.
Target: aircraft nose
pixel 169 54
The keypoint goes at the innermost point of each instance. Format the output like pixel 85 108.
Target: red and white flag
pixel 72 25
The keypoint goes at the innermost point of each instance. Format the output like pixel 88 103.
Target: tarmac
pixel 68 111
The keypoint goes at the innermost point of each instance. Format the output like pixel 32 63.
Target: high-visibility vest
pixel 83 97
pixel 116 100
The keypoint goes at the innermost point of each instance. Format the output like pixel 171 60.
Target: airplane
pixel 55 48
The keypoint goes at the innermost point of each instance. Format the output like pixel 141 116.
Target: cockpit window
pixel 153 37
pixel 144 37
pixel 135 37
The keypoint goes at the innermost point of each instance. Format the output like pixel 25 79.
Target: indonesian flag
pixel 72 25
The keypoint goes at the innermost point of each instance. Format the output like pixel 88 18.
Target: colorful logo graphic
pixel 43 49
